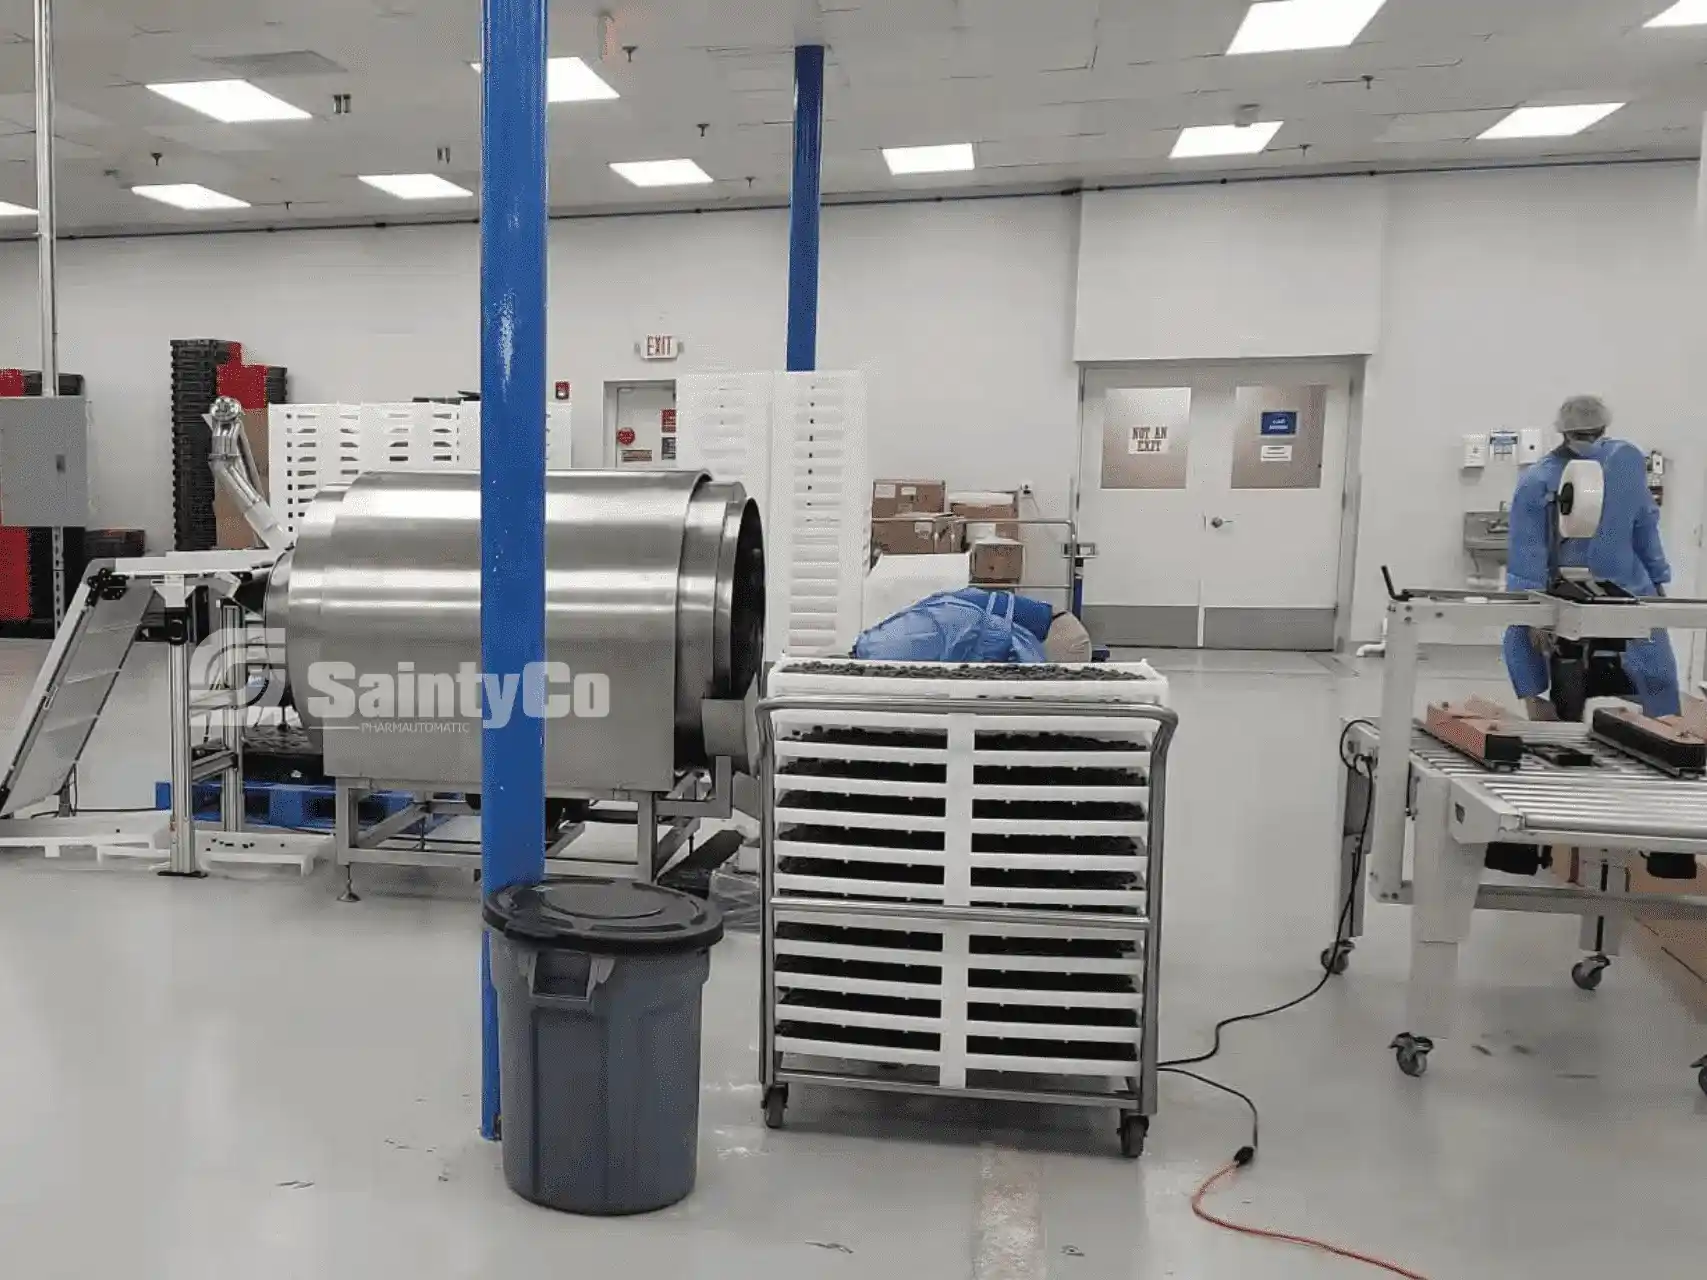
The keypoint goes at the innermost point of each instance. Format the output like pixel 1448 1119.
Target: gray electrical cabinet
pixel 44 461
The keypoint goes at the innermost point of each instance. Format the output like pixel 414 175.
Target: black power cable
pixel 1360 764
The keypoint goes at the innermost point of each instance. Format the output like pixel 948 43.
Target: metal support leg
pixel 646 839
pixel 183 857
pixel 1446 877
pixel 1356 798
pixel 1392 773
pixel 1602 937
pixel 47 244
pixel 235 647
pixel 346 821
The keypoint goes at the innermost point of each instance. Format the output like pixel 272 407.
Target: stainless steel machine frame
pixel 1139 1099
pixel 1455 808
pixel 664 824
pixel 81 669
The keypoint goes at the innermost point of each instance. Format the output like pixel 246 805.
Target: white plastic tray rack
pixel 962 871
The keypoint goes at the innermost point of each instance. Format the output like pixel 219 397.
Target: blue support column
pixel 512 462
pixel 804 201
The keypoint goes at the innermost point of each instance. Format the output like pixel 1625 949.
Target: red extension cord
pixel 1244 1157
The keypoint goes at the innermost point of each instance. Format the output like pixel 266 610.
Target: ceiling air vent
pixel 262 66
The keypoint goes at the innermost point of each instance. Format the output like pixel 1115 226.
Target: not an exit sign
pixel 658 346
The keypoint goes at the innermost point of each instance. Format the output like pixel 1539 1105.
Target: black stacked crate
pixel 278 385
pixel 195 385
pixel 70 384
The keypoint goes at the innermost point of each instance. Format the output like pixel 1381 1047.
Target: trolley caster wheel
pixel 1588 972
pixel 1133 1131
pixel 1702 1078
pixel 1337 958
pixel 1412 1053
pixel 776 1104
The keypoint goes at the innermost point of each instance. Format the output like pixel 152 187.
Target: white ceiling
pixel 1055 93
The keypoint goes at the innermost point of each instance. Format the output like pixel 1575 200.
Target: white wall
pixel 1492 297
pixel 1482 299
pixel 1250 271
pixel 961 313
pixel 1505 293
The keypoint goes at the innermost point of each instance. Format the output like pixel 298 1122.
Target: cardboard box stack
pixel 915 535
pixel 890 498
pixel 910 518
pixel 992 536
pixel 1678 946
pixel 987 514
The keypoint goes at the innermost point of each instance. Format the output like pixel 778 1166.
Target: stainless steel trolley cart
pixel 941 920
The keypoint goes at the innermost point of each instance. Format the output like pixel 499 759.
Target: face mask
pixel 1582 446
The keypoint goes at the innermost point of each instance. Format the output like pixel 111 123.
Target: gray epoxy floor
pixel 231 1078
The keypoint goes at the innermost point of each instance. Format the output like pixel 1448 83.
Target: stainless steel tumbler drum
pixel 655 593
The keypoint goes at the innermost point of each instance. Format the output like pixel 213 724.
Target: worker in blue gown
pixel 1625 550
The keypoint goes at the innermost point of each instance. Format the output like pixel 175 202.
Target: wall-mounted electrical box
pixel 1475 452
pixel 1657 476
pixel 1529 445
pixel 44 478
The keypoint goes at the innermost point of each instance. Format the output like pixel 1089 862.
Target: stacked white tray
pixel 961 898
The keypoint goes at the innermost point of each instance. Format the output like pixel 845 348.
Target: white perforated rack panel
pixel 316 446
pixel 798 443
pixel 820 511
pixel 998 812
pixel 310 447
pixel 723 425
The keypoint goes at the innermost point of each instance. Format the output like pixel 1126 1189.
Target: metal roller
pixel 654 581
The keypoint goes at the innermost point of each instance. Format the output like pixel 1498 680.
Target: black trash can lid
pixel 604 917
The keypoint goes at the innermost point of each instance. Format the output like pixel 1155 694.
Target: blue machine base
pixel 287 804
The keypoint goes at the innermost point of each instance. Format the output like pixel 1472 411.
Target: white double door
pixel 1214 495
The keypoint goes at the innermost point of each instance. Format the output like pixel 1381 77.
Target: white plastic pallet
pixel 723 426
pixel 310 447
pixel 317 446
pixel 820 497
pixel 798 443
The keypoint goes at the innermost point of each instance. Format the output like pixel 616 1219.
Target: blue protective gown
pixel 1625 549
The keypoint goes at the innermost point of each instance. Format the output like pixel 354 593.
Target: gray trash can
pixel 599 985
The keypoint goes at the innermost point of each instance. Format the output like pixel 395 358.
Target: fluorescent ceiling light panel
pixel 230 101
pixel 1225 139
pixel 10 210
pixel 1551 122
pixel 953 157
pixel 190 195
pixel 661 173
pixel 572 80
pixel 1685 13
pixel 415 186
pixel 1279 25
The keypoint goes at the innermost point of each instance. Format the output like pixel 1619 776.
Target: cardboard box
pixel 917 535
pixel 998 561
pixel 891 498
pixel 1677 948
pixel 234 533
pixel 1685 941
pixel 987 514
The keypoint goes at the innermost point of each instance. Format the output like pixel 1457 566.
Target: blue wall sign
pixel 1280 422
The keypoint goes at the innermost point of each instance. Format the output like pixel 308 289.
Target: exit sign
pixel 658 346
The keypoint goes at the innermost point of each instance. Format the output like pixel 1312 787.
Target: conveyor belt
pixel 1616 796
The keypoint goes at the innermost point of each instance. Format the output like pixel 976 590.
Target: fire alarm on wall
pixel 562 390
